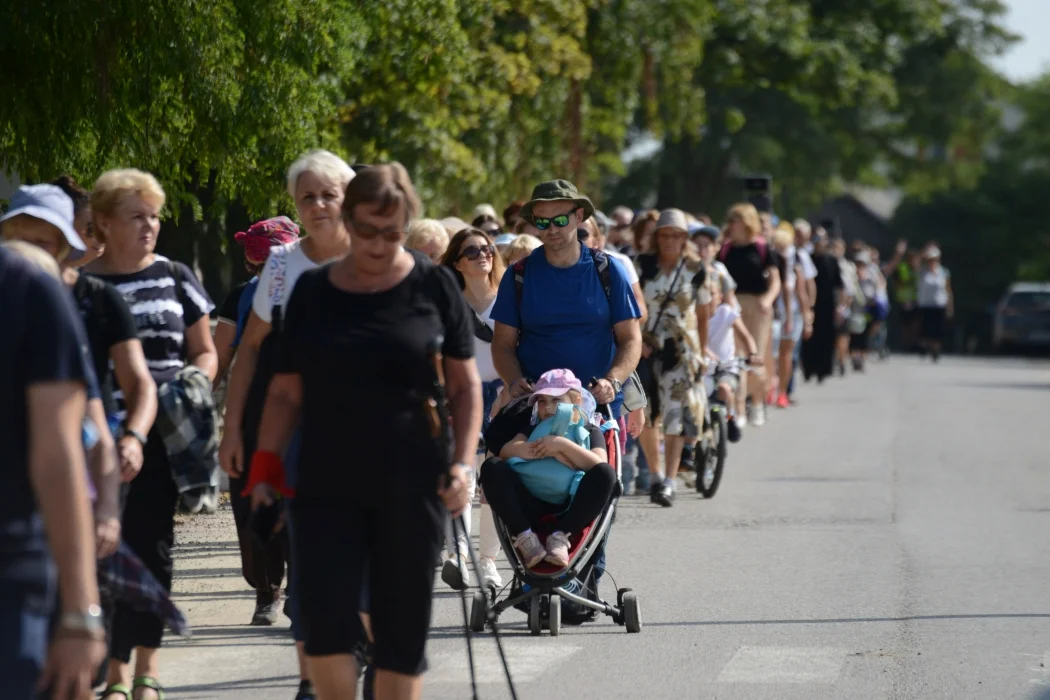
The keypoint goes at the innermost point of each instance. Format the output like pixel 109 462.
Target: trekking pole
pixel 466 620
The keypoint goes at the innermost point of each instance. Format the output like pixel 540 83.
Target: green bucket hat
pixel 557 191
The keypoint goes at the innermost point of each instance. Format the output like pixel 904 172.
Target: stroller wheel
pixel 477 612
pixel 534 615
pixel 632 613
pixel 555 616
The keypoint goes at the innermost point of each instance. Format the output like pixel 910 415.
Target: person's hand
pixel 130 451
pixel 788 326
pixel 755 360
pixel 603 391
pixel 72 662
pixel 520 387
pixel 262 495
pixel 647 350
pixel 454 491
pixel 107 536
pixel 635 422
pixel 231 453
pixel 807 330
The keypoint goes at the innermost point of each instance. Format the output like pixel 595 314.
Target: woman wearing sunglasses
pixel 473 259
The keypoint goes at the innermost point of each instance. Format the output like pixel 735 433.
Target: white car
pixel 1022 317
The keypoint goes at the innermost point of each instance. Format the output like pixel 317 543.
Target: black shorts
pixel 933 322
pixel 858 341
pixel 394 541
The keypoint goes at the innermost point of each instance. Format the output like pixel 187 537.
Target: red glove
pixel 267 468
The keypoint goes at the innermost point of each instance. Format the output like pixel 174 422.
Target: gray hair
pixel 323 163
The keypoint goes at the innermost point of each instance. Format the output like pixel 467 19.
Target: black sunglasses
pixel 473 252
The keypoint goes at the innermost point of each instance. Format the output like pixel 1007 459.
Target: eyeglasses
pixel 473 252
pixel 671 235
pixel 561 221
pixel 370 233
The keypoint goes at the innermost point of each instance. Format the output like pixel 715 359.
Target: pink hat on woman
pixel 555 383
pixel 263 235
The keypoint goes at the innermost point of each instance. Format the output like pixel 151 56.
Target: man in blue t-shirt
pixel 564 320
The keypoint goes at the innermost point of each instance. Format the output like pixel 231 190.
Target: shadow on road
pixel 234 685
pixel 1028 386
pixel 842 620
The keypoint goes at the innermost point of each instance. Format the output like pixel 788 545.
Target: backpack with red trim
pixel 760 243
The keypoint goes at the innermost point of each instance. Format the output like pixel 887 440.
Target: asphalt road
pixel 889 538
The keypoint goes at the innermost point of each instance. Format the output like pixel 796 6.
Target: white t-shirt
pixel 626 264
pixel 278 277
pixel 483 350
pixel 720 336
pixel 805 261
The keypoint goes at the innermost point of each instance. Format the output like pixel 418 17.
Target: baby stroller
pixel 541 590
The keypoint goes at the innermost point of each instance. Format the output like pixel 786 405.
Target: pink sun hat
pixel 555 383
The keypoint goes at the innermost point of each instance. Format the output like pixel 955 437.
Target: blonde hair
pixel 783 236
pixel 749 215
pixel 111 187
pixel 423 231
pixel 37 257
pixel 12 230
pixel 322 163
pixel 520 247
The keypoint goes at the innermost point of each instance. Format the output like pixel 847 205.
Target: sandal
pixel 150 683
pixel 115 689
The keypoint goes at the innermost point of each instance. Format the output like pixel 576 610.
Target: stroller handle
pixel 604 408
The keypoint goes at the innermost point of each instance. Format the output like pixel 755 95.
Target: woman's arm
pixel 770 297
pixel 140 395
pixel 505 359
pixel 703 316
pixel 232 445
pixel 950 310
pixel 102 465
pixel 200 350
pixel 225 333
pixel 280 416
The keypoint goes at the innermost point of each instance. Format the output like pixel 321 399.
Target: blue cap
pixel 712 232
pixel 505 239
pixel 48 203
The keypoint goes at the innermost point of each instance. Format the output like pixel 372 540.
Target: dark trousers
pixel 520 510
pixel 261 565
pixel 148 528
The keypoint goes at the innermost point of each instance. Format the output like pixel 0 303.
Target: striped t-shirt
pixel 162 313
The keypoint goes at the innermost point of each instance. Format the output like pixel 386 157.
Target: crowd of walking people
pixel 412 340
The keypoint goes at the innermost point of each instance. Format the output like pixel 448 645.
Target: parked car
pixel 1022 317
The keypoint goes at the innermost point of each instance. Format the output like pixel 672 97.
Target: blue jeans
pixel 635 466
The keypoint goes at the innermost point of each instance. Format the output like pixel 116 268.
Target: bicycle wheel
pixel 710 478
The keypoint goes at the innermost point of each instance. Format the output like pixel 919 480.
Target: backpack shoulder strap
pixel 724 252
pixel 602 267
pixel 763 249
pixel 519 278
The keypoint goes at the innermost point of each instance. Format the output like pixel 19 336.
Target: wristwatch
pixel 617 385
pixel 89 623
pixel 135 434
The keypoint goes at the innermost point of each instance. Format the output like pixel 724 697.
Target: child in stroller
pixel 561 468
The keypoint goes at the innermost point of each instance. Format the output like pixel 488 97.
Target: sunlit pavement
pixel 888 538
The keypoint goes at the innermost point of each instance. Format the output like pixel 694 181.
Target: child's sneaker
pixel 558 549
pixel 530 548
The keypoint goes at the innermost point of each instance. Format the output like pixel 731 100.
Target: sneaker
pixel 489 574
pixel 783 401
pixel 455 574
pixel 266 614
pixel 732 430
pixel 558 549
pixel 756 416
pixel 665 496
pixel 306 691
pixel 741 420
pixel 530 548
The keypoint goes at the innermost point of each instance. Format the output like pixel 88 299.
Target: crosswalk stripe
pixel 783 665
pixel 528 661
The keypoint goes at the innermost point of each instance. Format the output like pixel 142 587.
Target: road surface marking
pixel 527 661
pixel 783 665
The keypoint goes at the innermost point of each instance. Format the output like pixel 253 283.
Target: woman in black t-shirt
pixel 754 266
pixel 356 371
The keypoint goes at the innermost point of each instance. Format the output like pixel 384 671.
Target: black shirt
pixel 108 322
pixel 366 370
pixel 43 341
pixel 749 267
pixel 229 308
